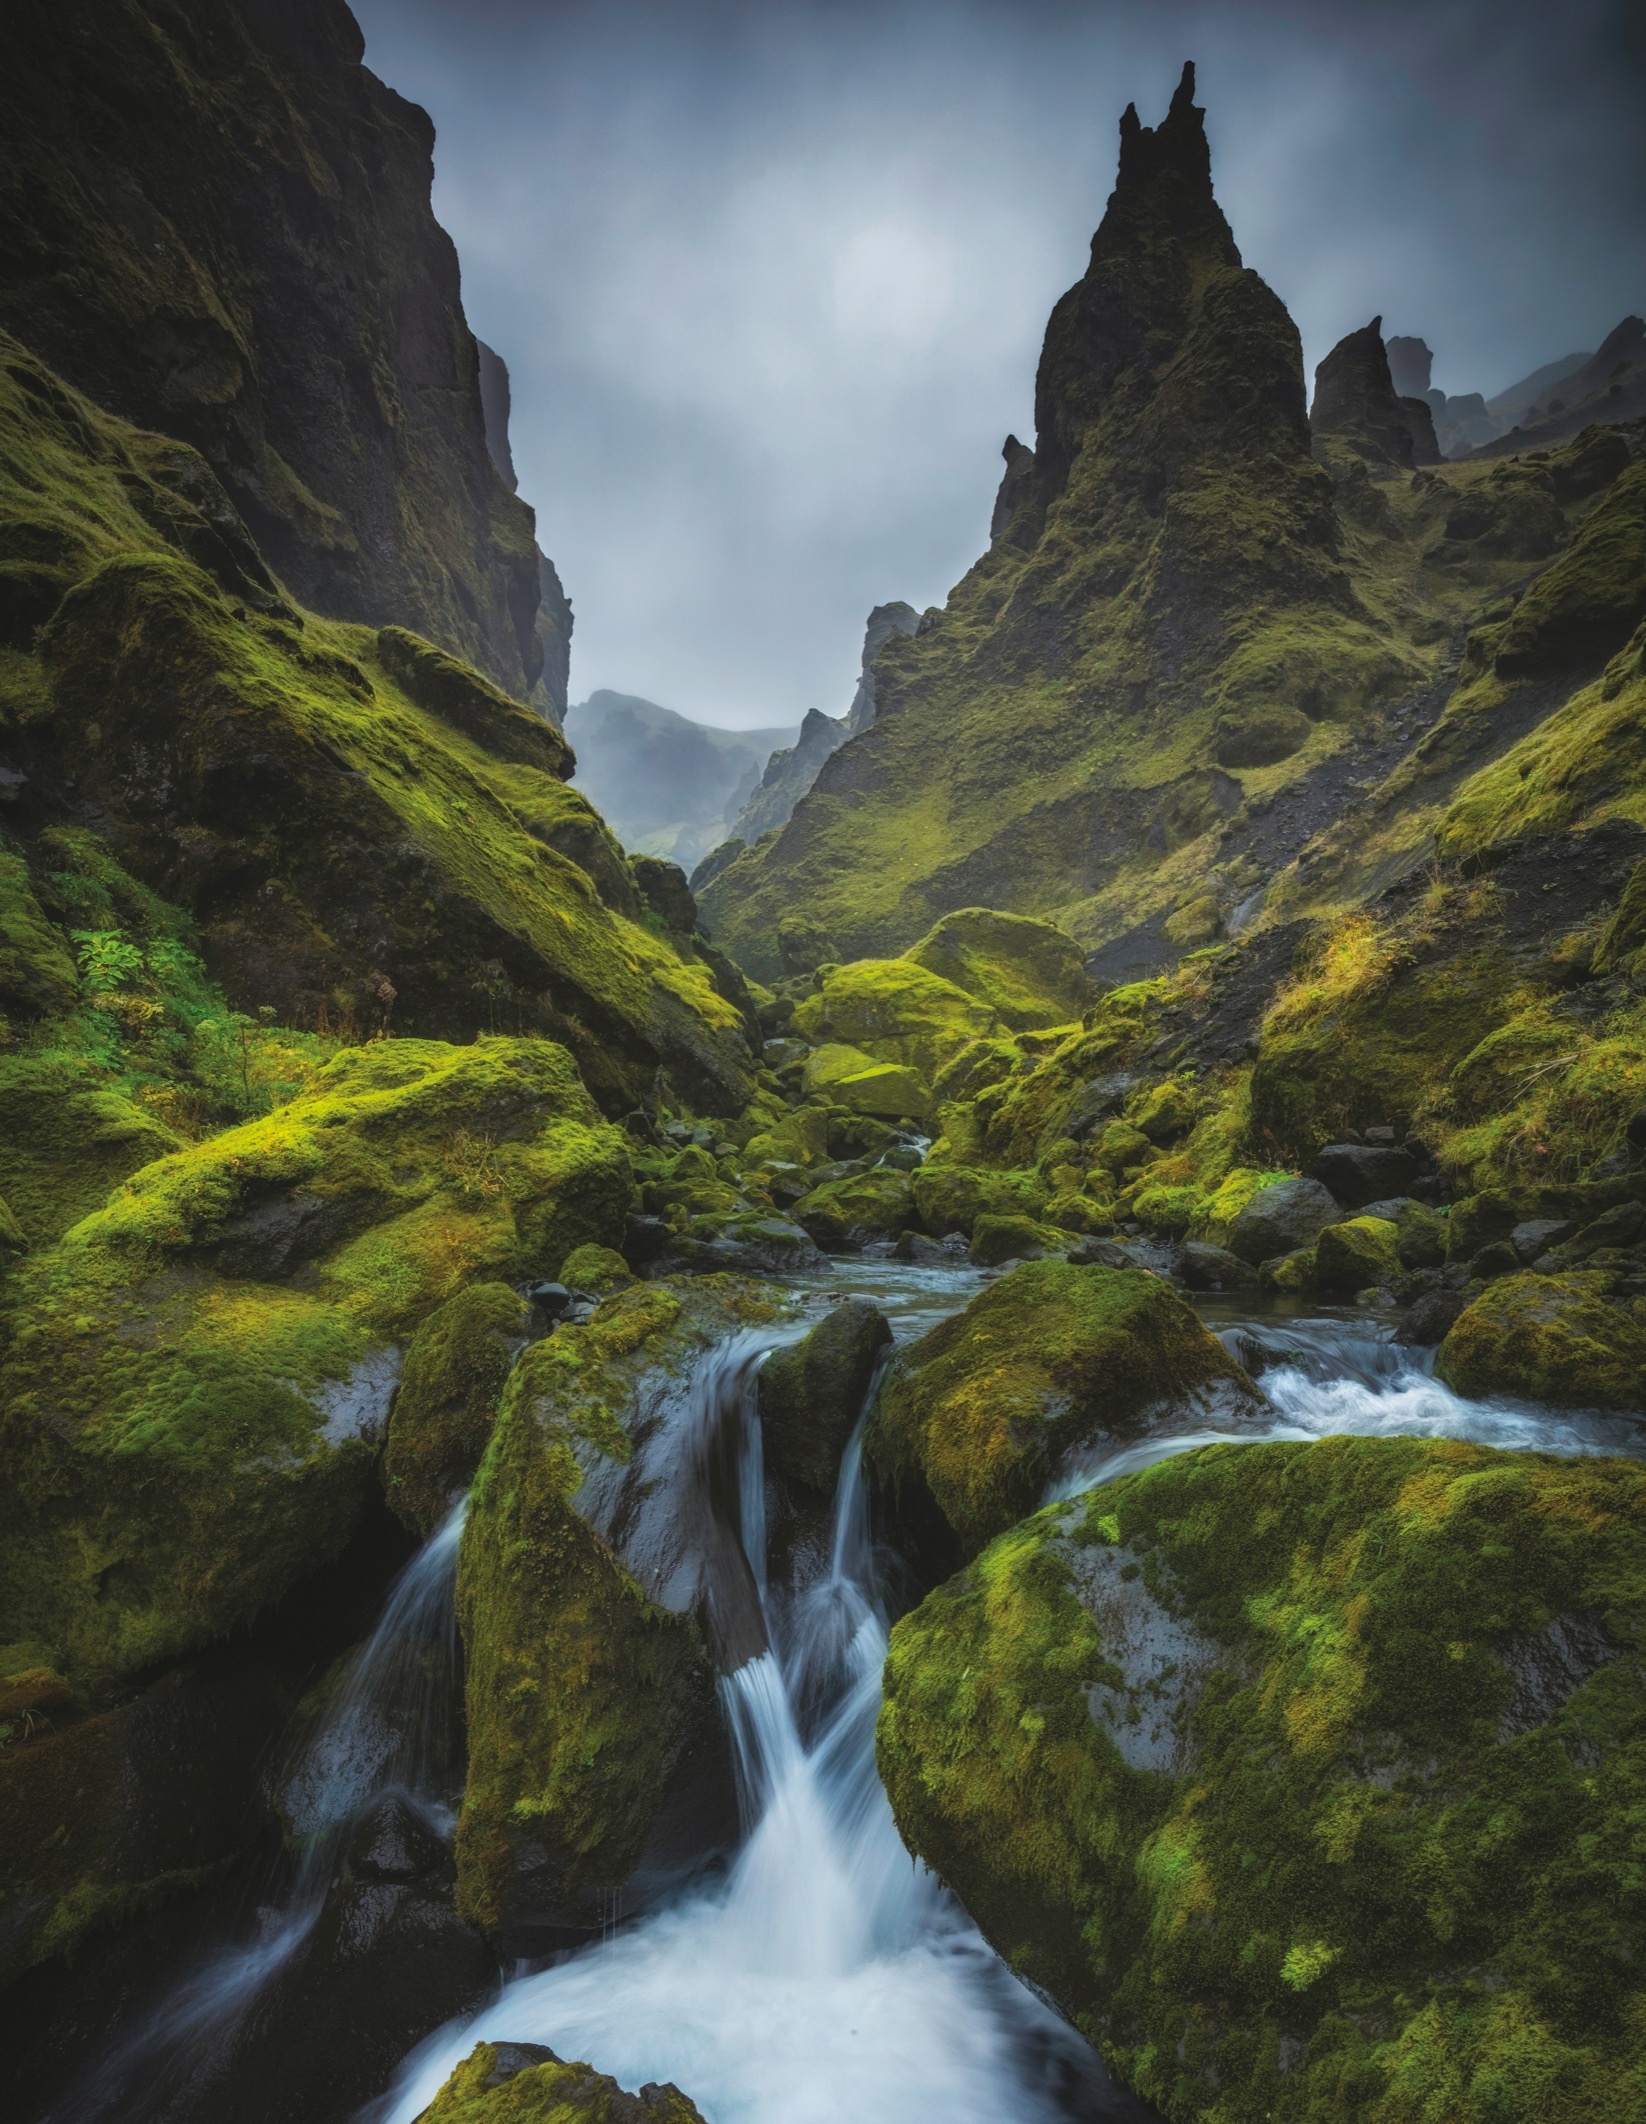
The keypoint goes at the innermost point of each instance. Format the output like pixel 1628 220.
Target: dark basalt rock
pixel 1355 400
pixel 1282 1218
pixel 1214 1268
pixel 1358 1173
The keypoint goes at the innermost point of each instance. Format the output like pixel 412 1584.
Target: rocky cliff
pixel 1213 637
pixel 217 224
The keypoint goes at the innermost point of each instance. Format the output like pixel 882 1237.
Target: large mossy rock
pixel 812 1393
pixel 1028 973
pixel 1556 1339
pixel 448 1397
pixel 67 1140
pixel 1306 1779
pixel 951 1198
pixel 893 1010
pixel 847 1212
pixel 1050 1363
pixel 526 2083
pixel 199 1373
pixel 1281 1217
pixel 588 1607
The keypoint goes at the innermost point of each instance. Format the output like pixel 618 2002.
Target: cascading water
pixel 1326 1377
pixel 827 1978
pixel 393 1725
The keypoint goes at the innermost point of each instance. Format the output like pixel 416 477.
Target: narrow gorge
pixel 983 1465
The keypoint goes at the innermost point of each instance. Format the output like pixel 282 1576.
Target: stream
pixel 816 1975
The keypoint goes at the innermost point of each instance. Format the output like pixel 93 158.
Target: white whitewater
pixel 1323 1378
pixel 827 1979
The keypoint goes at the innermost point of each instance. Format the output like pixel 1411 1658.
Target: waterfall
pixel 393 1725
pixel 827 1979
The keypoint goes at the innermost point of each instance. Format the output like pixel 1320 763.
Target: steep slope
pixel 217 223
pixel 356 829
pixel 1166 598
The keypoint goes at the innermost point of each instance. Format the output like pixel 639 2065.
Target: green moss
pixel 1251 1761
pixel 600 1270
pixel 1050 1359
pixel 877 1204
pixel 951 1198
pixel 199 1371
pixel 447 1400
pixel 1028 973
pixel 583 1693
pixel 490 2087
pixel 893 1010
pixel 1548 1338
pixel 997 1240
pixel 1357 1253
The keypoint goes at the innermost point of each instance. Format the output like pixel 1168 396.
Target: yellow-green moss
pixel 1028 973
pixel 981 1410
pixel 533 2086
pixel 893 1010
pixel 447 1400
pixel 1552 1339
pixel 1391 1874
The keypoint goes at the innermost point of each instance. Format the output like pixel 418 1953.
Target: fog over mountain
pixel 770 280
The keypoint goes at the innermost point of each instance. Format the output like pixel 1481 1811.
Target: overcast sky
pixel 771 277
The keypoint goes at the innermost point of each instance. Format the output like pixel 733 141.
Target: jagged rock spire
pixel 1356 400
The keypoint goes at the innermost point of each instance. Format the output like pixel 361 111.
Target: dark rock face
pixel 1282 1218
pixel 1411 364
pixel 1355 399
pixel 886 623
pixel 789 774
pixel 1359 1173
pixel 218 225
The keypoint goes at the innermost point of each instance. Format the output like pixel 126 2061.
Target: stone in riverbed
pixel 1281 1218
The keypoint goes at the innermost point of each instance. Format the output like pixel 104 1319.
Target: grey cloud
pixel 771 278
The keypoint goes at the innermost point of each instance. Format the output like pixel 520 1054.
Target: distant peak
pixel 1183 94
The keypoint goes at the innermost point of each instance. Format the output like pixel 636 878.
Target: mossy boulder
pixel 1556 1339
pixel 1028 973
pixel 200 1372
pixel 1049 1364
pixel 1223 1753
pixel 885 1091
pixel 894 1010
pixel 1357 1253
pixel 590 1687
pixel 67 1139
pixel 997 1240
pixel 843 1213
pixel 951 1198
pixel 447 1400
pixel 599 1270
pixel 1261 736
pixel 526 2083
pixel 812 1394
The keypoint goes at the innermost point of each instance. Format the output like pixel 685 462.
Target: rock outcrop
pixel 1055 729
pixel 219 227
pixel 1355 402
pixel 789 774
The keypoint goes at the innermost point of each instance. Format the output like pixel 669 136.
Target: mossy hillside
pixel 1174 569
pixel 198 1373
pixel 524 2083
pixel 1051 1359
pixel 1366 1848
pixel 355 856
pixel 447 1400
pixel 584 1694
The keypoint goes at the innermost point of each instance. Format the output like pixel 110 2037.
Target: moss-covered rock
pixel 951 1198
pixel 885 1091
pixel 1556 1339
pixel 200 1372
pixel 997 1240
pixel 589 1688
pixel 525 2083
pixel 812 1393
pixel 877 1204
pixel 447 1400
pixel 1028 973
pixel 893 1010
pixel 67 1140
pixel 1357 1253
pixel 1047 1364
pixel 1303 1776
pixel 1281 1217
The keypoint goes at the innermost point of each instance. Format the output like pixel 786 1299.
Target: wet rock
pixel 448 1396
pixel 526 2083
pixel 1047 1366
pixel 1282 1218
pixel 951 1198
pixel 1553 1339
pixel 1214 1268
pixel 1359 1173
pixel 1136 1630
pixel 1620 1226
pixel 947 1252
pixel 1430 1318
pixel 394 1842
pixel 1094 1252
pixel 1361 1253
pixel 1099 1101
pixel 861 1206
pixel 812 1393
pixel 998 1240
pixel 1499 1259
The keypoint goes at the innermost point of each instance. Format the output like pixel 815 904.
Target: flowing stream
pixel 820 1977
